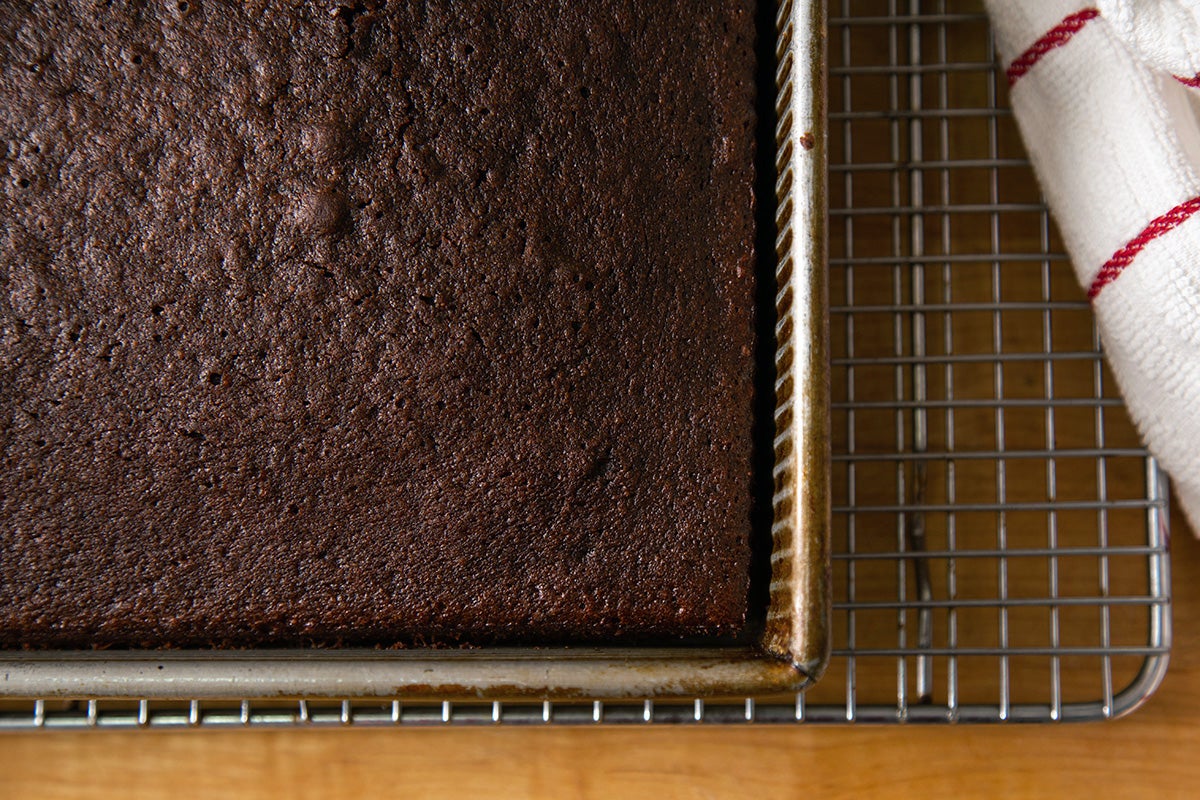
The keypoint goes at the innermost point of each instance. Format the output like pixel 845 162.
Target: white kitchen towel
pixel 1106 94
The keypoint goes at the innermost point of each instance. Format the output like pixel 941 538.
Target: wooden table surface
pixel 1149 754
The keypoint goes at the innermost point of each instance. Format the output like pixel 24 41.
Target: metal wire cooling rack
pixel 1000 534
pixel 1003 534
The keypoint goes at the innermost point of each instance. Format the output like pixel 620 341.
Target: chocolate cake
pixel 383 323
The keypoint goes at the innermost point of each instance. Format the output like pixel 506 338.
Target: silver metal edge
pixel 508 673
pixel 796 643
pixel 799 620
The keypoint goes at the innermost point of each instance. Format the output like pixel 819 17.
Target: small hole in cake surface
pixel 156 310
pixel 183 7
pixel 23 183
pixel 293 508
pixel 585 92
pixel 214 378
pixel 137 59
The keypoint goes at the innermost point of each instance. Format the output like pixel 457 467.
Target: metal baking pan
pixel 791 650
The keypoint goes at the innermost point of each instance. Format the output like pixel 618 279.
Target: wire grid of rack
pixel 1000 534
pixel 999 522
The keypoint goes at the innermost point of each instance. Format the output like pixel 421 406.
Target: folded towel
pixel 1164 34
pixel 1105 95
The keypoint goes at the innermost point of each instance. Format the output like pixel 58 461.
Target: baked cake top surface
pixel 374 323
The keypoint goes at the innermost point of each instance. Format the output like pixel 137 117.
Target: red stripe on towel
pixel 1052 39
pixel 1124 257
pixel 1193 82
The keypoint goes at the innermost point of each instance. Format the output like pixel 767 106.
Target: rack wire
pixel 1000 533
pixel 1003 532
